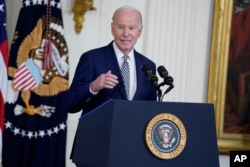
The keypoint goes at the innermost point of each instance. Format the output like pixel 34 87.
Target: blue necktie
pixel 125 73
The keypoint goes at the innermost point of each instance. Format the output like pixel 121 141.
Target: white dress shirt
pixel 131 61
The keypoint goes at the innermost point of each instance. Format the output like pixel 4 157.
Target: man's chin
pixel 126 47
pixel 126 50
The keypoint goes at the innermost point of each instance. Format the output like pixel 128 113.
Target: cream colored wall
pixel 176 34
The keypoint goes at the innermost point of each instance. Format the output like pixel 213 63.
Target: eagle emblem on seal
pixel 165 133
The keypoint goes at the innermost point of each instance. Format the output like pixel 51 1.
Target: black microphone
pixel 162 72
pixel 168 80
pixel 148 72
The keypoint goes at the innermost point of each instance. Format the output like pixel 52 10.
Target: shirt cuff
pixel 91 91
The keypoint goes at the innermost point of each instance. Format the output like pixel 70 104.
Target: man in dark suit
pixel 98 76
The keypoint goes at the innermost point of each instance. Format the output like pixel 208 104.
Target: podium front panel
pixel 113 135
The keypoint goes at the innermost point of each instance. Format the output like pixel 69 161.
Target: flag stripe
pixel 3 74
pixel 3 69
pixel 23 79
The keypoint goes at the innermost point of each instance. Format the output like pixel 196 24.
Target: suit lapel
pixel 139 75
pixel 112 64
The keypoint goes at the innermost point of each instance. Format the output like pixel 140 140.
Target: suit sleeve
pixel 79 94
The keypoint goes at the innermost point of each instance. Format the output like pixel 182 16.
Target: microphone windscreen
pixel 146 69
pixel 162 71
pixel 148 72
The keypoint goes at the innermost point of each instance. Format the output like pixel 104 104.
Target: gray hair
pixel 127 9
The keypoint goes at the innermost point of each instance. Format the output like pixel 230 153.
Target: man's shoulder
pixel 144 58
pixel 101 49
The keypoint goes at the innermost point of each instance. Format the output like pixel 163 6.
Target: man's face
pixel 126 29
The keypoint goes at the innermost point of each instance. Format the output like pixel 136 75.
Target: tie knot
pixel 125 57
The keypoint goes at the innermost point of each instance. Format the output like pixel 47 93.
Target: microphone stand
pixel 170 87
pixel 168 81
pixel 159 93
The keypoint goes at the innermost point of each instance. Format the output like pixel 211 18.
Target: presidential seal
pixel 166 136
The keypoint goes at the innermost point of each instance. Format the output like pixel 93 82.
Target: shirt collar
pixel 119 53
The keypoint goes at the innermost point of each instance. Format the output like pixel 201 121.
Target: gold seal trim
pixel 175 145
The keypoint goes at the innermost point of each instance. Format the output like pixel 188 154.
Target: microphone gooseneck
pixel 153 79
pixel 167 80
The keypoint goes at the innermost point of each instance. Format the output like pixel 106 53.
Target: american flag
pixel 27 76
pixel 3 68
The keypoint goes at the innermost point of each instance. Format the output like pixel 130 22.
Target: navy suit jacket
pixel 99 61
